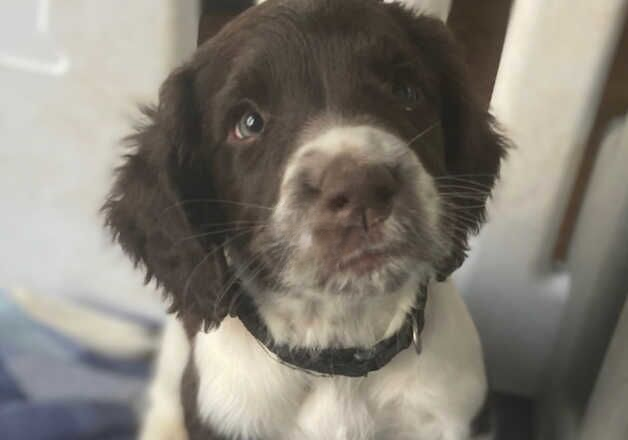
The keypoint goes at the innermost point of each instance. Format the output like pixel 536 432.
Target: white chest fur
pixel 245 393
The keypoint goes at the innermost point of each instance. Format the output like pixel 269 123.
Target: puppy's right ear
pixel 151 209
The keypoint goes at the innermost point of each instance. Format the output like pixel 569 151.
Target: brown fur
pixel 184 188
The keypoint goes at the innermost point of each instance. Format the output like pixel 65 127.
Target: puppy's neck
pixel 318 319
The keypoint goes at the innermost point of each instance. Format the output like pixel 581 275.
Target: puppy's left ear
pixel 154 212
pixel 473 146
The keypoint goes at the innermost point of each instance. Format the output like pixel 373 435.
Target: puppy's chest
pixel 335 409
pixel 348 409
pixel 325 408
pixel 255 397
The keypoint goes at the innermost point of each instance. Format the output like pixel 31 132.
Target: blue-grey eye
pixel 251 124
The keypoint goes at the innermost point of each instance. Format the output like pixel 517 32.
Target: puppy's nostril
pixel 383 194
pixel 338 202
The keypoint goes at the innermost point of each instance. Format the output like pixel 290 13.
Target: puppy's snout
pixel 352 192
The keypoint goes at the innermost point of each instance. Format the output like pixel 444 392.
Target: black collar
pixel 353 361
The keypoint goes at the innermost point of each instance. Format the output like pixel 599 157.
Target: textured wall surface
pixel 68 96
pixel 547 88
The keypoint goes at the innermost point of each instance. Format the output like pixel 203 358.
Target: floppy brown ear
pixel 473 146
pixel 152 208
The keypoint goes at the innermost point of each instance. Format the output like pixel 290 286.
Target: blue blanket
pixel 53 389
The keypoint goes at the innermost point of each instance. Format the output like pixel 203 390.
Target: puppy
pixel 302 192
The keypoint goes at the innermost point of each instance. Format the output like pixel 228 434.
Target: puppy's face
pixel 317 144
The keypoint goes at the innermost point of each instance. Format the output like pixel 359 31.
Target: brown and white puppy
pixel 329 157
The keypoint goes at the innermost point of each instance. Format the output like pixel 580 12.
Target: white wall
pixel 598 262
pixel 553 65
pixel 68 95
pixel 606 414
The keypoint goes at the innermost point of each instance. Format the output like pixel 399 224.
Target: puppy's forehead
pixel 316 29
pixel 317 50
pixel 319 14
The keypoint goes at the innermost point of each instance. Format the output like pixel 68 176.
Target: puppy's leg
pixel 163 419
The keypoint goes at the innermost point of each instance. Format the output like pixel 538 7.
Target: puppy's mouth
pixel 366 261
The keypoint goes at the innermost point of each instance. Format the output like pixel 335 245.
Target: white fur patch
pixel 320 319
pixel 245 393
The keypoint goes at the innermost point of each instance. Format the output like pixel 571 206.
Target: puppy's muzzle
pixel 351 193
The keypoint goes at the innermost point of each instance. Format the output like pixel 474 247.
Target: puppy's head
pixel 310 144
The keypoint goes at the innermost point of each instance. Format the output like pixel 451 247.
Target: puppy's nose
pixel 357 193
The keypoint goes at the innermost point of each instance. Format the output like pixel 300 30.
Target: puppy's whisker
pixel 464 188
pixel 208 255
pixel 422 133
pixel 459 195
pixel 453 193
pixel 466 184
pixel 242 272
pixel 233 223
pixel 450 176
pixel 461 215
pixel 456 207
pixel 211 233
pixel 237 274
pixel 466 204
pixel 213 201
pixel 456 228
pixel 466 221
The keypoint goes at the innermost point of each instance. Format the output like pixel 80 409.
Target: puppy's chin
pixel 381 279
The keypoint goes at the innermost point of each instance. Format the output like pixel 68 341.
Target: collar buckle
pixel 416 335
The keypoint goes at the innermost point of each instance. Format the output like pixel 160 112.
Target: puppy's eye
pixel 407 94
pixel 251 124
